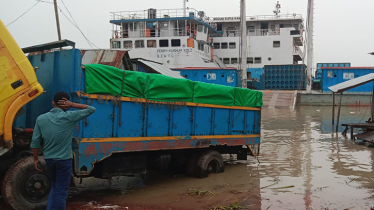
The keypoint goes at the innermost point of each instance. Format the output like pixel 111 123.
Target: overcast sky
pixel 344 29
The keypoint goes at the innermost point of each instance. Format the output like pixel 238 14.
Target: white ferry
pixel 187 37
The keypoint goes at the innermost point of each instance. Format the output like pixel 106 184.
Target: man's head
pixel 57 97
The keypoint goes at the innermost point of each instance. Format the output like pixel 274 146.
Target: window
pixel 216 45
pixel 288 25
pixel 250 60
pixel 139 43
pixel 257 60
pixel 151 43
pixel 175 42
pixel 226 60
pixel 200 28
pixel 281 25
pixel 127 44
pixel 116 44
pixel 251 29
pixel 205 30
pixel 219 26
pixel 234 60
pixel 232 45
pixel 132 27
pixel 224 45
pixel 163 43
pixel 276 44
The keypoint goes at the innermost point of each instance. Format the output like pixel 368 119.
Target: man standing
pixel 55 130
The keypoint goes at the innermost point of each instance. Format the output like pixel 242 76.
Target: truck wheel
pixel 209 162
pixel 26 188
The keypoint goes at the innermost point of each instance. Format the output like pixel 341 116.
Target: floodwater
pixel 302 166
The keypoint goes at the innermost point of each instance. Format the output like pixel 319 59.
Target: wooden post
pixel 340 105
pixel 333 111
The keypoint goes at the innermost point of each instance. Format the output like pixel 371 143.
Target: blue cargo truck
pixel 125 136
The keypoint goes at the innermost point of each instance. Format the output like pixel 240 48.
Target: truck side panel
pixel 167 127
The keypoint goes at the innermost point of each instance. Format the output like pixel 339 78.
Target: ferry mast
pixel 243 43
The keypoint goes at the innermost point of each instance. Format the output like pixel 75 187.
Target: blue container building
pixel 220 76
pixel 335 75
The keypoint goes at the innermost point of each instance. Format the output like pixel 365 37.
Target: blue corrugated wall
pixel 226 77
pixel 337 77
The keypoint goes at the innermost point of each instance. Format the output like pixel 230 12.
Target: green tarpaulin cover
pixel 165 88
pixel 102 79
pixel 206 93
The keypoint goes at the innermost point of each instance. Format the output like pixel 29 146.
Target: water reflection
pixel 327 171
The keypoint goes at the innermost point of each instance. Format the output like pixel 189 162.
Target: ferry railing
pixel 146 33
pixel 253 32
pixel 162 13
pixel 150 14
pixel 272 17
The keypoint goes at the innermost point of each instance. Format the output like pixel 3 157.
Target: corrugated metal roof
pixel 341 87
pixel 161 69
pixel 106 57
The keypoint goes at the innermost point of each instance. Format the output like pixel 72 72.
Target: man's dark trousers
pixel 60 174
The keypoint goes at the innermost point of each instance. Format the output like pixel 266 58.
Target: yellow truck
pixel 18 86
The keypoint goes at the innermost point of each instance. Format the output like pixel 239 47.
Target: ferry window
pixel 175 42
pixel 281 25
pixel 250 60
pixel 226 60
pixel 127 44
pixel 257 60
pixel 132 27
pixel 151 43
pixel 219 26
pixel 205 30
pixel 216 45
pixel 251 29
pixel 200 28
pixel 234 60
pixel 296 26
pixel 276 44
pixel 232 45
pixel 224 45
pixel 139 43
pixel 288 25
pixel 116 44
pixel 163 43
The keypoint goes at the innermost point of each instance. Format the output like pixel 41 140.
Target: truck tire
pixel 209 161
pixel 26 188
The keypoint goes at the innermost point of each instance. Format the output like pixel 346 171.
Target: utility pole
pixel 310 52
pixel 243 43
pixel 57 21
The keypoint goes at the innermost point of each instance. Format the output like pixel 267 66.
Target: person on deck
pixel 54 130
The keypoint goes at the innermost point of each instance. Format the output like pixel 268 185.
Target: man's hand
pixel 36 164
pixel 65 103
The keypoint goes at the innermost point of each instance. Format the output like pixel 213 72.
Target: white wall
pixel 261 46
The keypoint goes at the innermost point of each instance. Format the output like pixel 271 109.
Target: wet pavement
pixel 302 166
